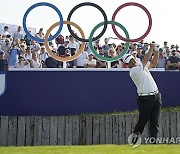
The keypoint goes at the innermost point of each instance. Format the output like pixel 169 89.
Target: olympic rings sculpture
pixel 91 38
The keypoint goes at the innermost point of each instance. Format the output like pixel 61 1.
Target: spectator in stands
pixel 100 63
pixel 106 47
pixel 3 62
pixel 112 53
pixel 27 40
pixel 167 53
pixel 28 54
pixel 1 40
pixel 23 50
pixel 51 62
pixel 61 45
pixel 79 62
pixel 90 62
pixel 97 44
pixel 177 51
pixel 119 49
pixel 35 62
pixel 35 47
pixel 5 31
pixel 43 55
pixel 173 63
pixel 22 63
pixel 177 48
pixel 5 48
pixel 165 46
pixel 59 40
pixel 40 35
pixel 18 34
pixel 14 51
pixel 162 60
pixel 140 55
pixel 73 46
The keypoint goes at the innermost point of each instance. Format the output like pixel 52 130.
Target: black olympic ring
pixel 88 4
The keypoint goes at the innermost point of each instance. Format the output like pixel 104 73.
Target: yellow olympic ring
pixel 64 59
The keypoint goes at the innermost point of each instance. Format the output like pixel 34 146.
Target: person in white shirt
pixel 5 31
pixel 18 34
pixel 35 62
pixel 22 63
pixel 149 98
pixel 79 62
pixel 90 62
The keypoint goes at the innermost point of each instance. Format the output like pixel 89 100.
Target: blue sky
pixel 165 15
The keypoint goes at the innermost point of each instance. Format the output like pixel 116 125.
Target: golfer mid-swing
pixel 149 97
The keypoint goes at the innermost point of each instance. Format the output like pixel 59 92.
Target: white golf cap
pixel 127 57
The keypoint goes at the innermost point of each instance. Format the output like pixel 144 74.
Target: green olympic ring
pixel 106 58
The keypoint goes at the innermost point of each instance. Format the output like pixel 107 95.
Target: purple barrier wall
pixel 68 92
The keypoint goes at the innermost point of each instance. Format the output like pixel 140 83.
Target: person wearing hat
pixel 173 62
pixel 90 62
pixel 4 66
pixel 149 98
pixel 162 59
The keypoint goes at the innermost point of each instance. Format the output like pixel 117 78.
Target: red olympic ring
pixel 140 6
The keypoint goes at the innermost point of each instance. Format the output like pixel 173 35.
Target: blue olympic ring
pixel 43 4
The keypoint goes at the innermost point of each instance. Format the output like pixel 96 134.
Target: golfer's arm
pixel 147 57
pixel 154 60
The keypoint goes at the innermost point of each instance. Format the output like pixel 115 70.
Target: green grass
pixel 97 149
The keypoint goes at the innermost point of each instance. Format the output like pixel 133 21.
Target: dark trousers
pixel 149 109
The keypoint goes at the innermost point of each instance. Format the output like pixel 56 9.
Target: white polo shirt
pixel 143 79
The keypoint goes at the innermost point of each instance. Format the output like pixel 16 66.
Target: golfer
pixel 149 98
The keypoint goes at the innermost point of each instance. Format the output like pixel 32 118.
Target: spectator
pixel 177 51
pixel 5 31
pixel 43 55
pixel 59 40
pixel 51 62
pixel 1 40
pixel 73 46
pixel 106 47
pixel 35 47
pixel 112 53
pixel 23 50
pixel 35 62
pixel 3 62
pixel 164 47
pixel 162 60
pixel 119 49
pixel 27 40
pixel 173 62
pixel 97 44
pixel 5 48
pixel 79 62
pixel 177 48
pixel 22 63
pixel 18 34
pixel 28 54
pixel 62 47
pixel 140 55
pixel 100 63
pixel 40 35
pixel 90 62
pixel 167 53
pixel 14 52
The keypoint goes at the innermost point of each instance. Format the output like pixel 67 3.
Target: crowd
pixel 18 51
